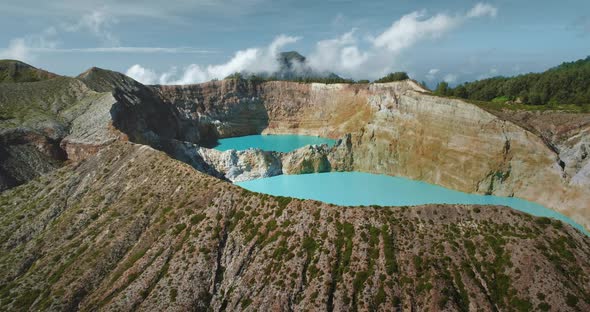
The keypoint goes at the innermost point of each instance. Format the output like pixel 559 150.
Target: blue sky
pixel 192 41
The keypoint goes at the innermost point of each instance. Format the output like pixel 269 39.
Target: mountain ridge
pixel 13 71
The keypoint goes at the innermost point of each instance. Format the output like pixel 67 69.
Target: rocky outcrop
pixel 246 165
pixel 132 229
pixel 43 124
pixel 238 166
pixel 567 134
pixel 46 123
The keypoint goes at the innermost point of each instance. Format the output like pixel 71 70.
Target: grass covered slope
pixel 44 104
pixel 12 71
pixel 130 228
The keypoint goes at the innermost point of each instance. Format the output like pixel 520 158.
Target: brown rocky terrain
pixel 111 214
pixel 132 229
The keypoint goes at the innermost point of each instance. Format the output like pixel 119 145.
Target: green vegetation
pixel 571 300
pixel 397 76
pixel 330 79
pixel 34 104
pixel 256 78
pixel 568 83
pixel 389 250
pixel 196 219
pixel 245 302
pixel 443 89
pixel 12 71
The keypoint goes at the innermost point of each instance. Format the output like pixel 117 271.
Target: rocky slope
pixel 45 123
pixel 132 229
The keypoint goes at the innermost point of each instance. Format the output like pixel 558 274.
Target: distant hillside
pixel 568 83
pixel 15 71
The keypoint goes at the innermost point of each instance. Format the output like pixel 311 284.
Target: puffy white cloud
pixel 493 72
pixel 253 60
pixel 141 74
pixel 482 9
pixel 347 55
pixel 339 54
pixel 413 28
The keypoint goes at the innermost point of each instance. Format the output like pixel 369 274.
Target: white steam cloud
pixel 253 60
pixel 348 55
pixel 17 50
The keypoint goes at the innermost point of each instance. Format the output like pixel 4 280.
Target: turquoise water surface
pixel 279 143
pixel 356 188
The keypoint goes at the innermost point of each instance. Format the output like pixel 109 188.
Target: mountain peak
pixel 13 71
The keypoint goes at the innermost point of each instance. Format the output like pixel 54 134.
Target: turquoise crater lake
pixel 279 143
pixel 356 189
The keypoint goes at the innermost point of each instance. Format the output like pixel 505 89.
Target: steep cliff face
pixel 132 229
pixel 399 129
pixel 236 107
pixel 219 108
pixel 458 145
pixel 567 134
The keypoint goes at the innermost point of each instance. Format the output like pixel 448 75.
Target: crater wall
pixel 396 129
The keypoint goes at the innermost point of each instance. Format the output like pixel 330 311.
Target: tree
pixel 461 92
pixel 442 88
pixel 568 83
pixel 397 76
